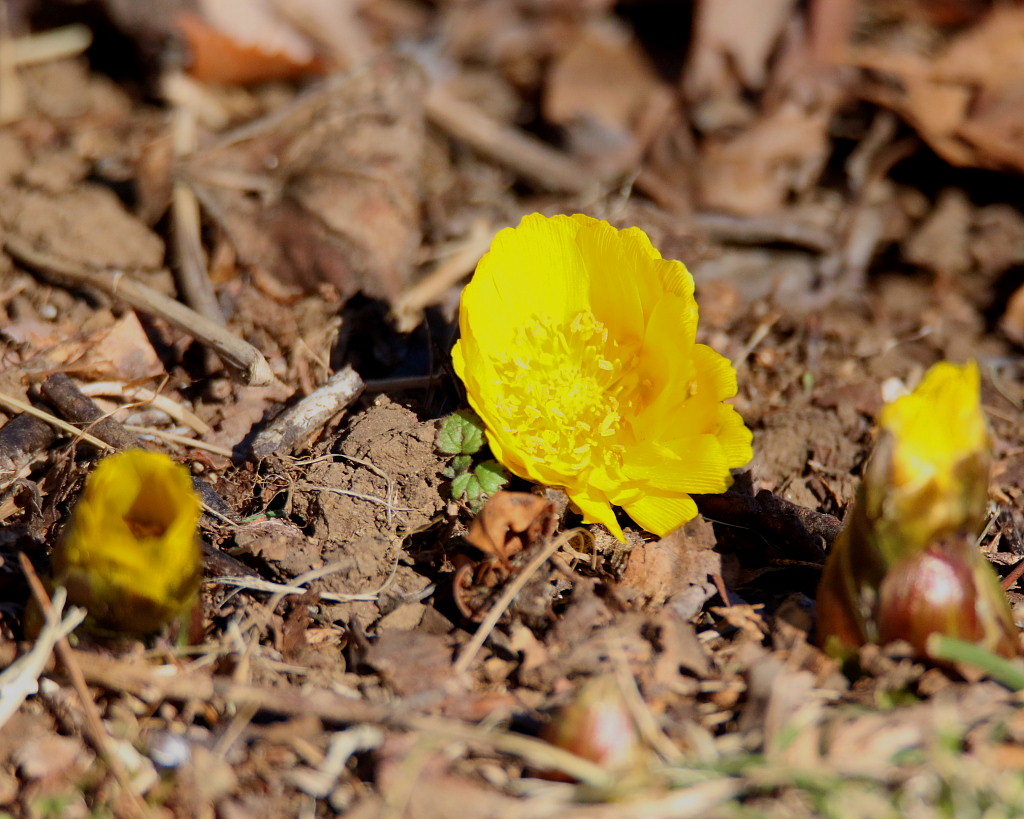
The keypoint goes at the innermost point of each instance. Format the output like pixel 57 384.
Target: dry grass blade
pixel 22 406
pixel 21 678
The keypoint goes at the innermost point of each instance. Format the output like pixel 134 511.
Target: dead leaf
pixel 753 172
pixel 474 582
pixel 604 91
pixel 512 522
pixel 229 57
pixel 121 352
pixel 411 661
pixel 728 60
pixel 965 100
pixel 661 569
pixel 326 190
pixel 941 242
pixel 724 50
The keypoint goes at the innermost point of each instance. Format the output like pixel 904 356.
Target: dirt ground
pixel 316 182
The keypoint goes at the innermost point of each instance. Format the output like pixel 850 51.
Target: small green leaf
pixel 459 464
pixel 491 476
pixel 462 433
pixel 460 484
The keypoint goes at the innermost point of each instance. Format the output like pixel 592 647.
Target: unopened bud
pixel 598 726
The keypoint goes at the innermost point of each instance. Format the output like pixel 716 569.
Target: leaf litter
pixel 845 232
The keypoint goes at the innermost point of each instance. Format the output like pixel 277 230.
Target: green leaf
pixel 462 433
pixel 459 464
pixel 491 476
pixel 460 484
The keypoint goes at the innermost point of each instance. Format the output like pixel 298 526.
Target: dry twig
pixel 299 423
pixel 245 359
pixel 532 159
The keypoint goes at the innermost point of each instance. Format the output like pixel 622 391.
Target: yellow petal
pixel 716 376
pixel 533 271
pixel 596 510
pixel 662 514
pixel 736 439
pixel 693 464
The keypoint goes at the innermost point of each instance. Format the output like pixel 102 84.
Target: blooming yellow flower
pixel 131 555
pixel 578 352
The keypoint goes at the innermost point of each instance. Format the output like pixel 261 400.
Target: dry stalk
pixel 241 356
pixel 532 159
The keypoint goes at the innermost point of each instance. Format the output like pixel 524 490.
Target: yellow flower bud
pixel 131 553
pixel 906 564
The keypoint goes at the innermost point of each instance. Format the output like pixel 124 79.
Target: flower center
pixel 565 391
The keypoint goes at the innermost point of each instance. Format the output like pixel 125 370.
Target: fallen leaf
pixel 326 190
pixel 965 99
pixel 225 58
pixel 411 661
pixel 121 352
pixel 512 522
pixel 753 172
pixel 661 569
pixel 604 91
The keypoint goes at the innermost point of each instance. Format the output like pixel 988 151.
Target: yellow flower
pixel 906 564
pixel 131 554
pixel 578 351
pixel 928 476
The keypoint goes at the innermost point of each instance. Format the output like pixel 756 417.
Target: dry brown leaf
pixel 411 661
pixel 734 38
pixel 121 352
pixel 732 43
pixel 965 100
pixel 327 189
pixel 753 172
pixel 604 91
pixel 512 522
pixel 223 57
pixel 661 569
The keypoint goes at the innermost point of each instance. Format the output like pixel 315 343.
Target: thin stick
pixel 193 267
pixel 20 679
pixel 97 734
pixel 245 359
pixel 47 46
pixel 1011 579
pixel 532 159
pixel 183 440
pixel 408 309
pixel 297 425
pixel 469 651
pixel 145 396
pixel 22 406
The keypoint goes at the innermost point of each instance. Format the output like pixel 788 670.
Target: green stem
pixel 999 669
